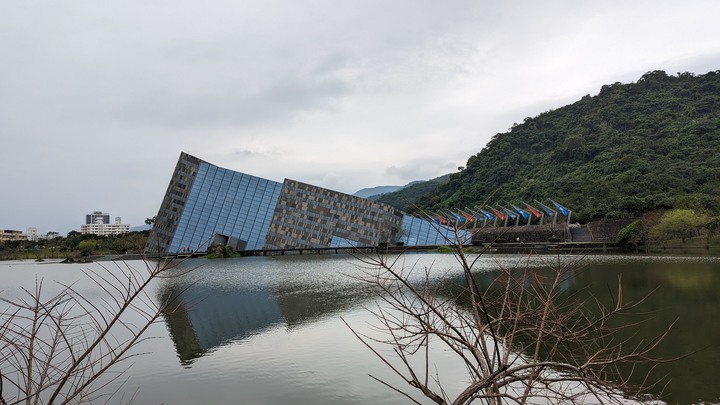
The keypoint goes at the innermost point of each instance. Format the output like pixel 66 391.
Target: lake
pixel 269 330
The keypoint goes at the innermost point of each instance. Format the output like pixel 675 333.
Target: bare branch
pixel 55 350
pixel 520 339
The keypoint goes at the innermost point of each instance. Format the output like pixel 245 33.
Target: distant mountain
pixel 406 197
pixel 376 191
pixel 632 148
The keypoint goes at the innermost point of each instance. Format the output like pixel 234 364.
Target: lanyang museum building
pixel 207 205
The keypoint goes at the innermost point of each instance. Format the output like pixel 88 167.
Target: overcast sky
pixel 98 99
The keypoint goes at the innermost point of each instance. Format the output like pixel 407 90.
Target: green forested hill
pixel 408 195
pixel 632 148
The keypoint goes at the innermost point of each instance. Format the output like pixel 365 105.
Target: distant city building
pixel 102 228
pixel 31 233
pixel 102 217
pixel 9 234
pixel 206 205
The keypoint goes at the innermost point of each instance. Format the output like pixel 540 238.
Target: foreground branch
pixel 57 350
pixel 521 340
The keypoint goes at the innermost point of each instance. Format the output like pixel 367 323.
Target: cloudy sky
pixel 98 99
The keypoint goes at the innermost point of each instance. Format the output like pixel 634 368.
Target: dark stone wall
pixel 308 216
pixel 529 234
pixel 606 230
pixel 173 204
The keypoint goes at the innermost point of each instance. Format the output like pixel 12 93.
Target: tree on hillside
pixel 519 339
pixel 679 223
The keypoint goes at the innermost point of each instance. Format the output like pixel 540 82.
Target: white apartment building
pixel 32 233
pixel 99 227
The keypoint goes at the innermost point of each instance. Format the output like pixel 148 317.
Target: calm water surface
pixel 268 330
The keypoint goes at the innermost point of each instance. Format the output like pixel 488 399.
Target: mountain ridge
pixel 370 192
pixel 632 148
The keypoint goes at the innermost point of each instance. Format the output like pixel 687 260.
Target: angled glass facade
pixel 421 232
pixel 228 205
pixel 208 205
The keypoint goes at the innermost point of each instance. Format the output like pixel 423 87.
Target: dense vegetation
pixel 633 148
pixel 74 245
pixel 406 196
pixel 659 227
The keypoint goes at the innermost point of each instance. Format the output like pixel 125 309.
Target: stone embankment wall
pixel 528 234
pixel 606 230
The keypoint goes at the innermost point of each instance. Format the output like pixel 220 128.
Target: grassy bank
pixel 73 246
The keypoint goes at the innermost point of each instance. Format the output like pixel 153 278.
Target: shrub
pixel 678 223
pixel 632 234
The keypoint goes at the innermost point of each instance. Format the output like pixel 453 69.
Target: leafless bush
pixel 68 348
pixel 520 340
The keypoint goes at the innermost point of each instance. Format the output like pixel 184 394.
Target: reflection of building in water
pixel 205 204
pixel 212 316
pixel 300 303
